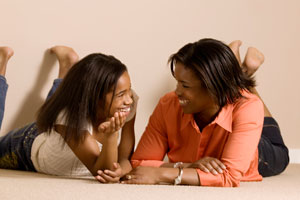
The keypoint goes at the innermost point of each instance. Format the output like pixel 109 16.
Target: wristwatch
pixel 178 165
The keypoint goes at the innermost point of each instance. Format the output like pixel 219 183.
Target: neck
pixel 206 117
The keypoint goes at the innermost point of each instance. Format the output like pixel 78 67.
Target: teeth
pixel 125 109
pixel 183 102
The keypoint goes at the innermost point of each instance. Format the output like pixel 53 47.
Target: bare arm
pixel 126 146
pixel 161 175
pixel 125 151
pixel 88 151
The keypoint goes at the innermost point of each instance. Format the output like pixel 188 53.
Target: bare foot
pixel 66 56
pixel 235 48
pixel 253 60
pixel 5 54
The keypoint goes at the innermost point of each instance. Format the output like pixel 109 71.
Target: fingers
pixel 100 179
pixel 103 126
pixel 209 165
pixel 203 168
pixel 114 124
pixel 107 176
pixel 220 164
pixel 119 120
pixel 215 168
pixel 117 117
pixel 116 173
pixel 131 179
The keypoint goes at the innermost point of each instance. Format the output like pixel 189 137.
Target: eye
pixel 120 94
pixel 185 86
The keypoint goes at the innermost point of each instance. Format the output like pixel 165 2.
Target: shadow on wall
pixel 33 100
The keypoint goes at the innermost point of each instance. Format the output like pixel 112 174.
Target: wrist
pixel 168 175
pixel 112 136
pixel 178 179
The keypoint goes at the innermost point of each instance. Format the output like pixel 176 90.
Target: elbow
pixel 135 163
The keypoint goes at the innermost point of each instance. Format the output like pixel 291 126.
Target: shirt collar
pixel 223 119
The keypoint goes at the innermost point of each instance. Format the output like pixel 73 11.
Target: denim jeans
pixel 273 154
pixel 15 146
pixel 3 91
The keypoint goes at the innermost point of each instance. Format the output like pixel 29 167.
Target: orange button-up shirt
pixel 232 138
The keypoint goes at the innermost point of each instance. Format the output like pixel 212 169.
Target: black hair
pixel 216 66
pixel 81 94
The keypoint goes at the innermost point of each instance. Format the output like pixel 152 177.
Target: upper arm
pixel 87 150
pixel 127 142
pixel 153 144
pixel 243 141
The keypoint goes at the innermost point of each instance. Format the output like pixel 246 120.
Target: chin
pixel 186 111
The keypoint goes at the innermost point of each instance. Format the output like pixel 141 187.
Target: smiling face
pixel 192 95
pixel 122 99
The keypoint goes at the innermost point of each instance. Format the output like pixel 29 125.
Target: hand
pixel 142 175
pixel 112 125
pixel 209 164
pixel 110 176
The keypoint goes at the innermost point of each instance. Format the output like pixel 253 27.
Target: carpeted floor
pixel 27 185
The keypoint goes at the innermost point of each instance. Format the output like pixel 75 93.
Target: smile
pixel 183 102
pixel 125 110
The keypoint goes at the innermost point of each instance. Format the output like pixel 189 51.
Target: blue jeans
pixel 15 146
pixel 273 154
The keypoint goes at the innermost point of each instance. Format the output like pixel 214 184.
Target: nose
pixel 128 99
pixel 178 90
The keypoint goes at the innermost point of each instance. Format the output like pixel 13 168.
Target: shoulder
pixel 249 106
pixel 168 104
pixel 248 99
pixel 169 99
pixel 62 120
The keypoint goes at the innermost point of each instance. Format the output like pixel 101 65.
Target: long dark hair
pixel 216 67
pixel 81 94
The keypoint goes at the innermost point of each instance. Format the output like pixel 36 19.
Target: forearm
pixel 171 165
pixel 108 154
pixel 125 165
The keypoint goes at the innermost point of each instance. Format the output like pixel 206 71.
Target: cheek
pixel 115 106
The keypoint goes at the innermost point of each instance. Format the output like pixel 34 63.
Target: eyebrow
pixel 122 91
pixel 184 82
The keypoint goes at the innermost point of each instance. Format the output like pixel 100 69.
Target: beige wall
pixel 143 34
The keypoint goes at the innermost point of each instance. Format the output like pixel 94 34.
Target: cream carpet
pixel 28 185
